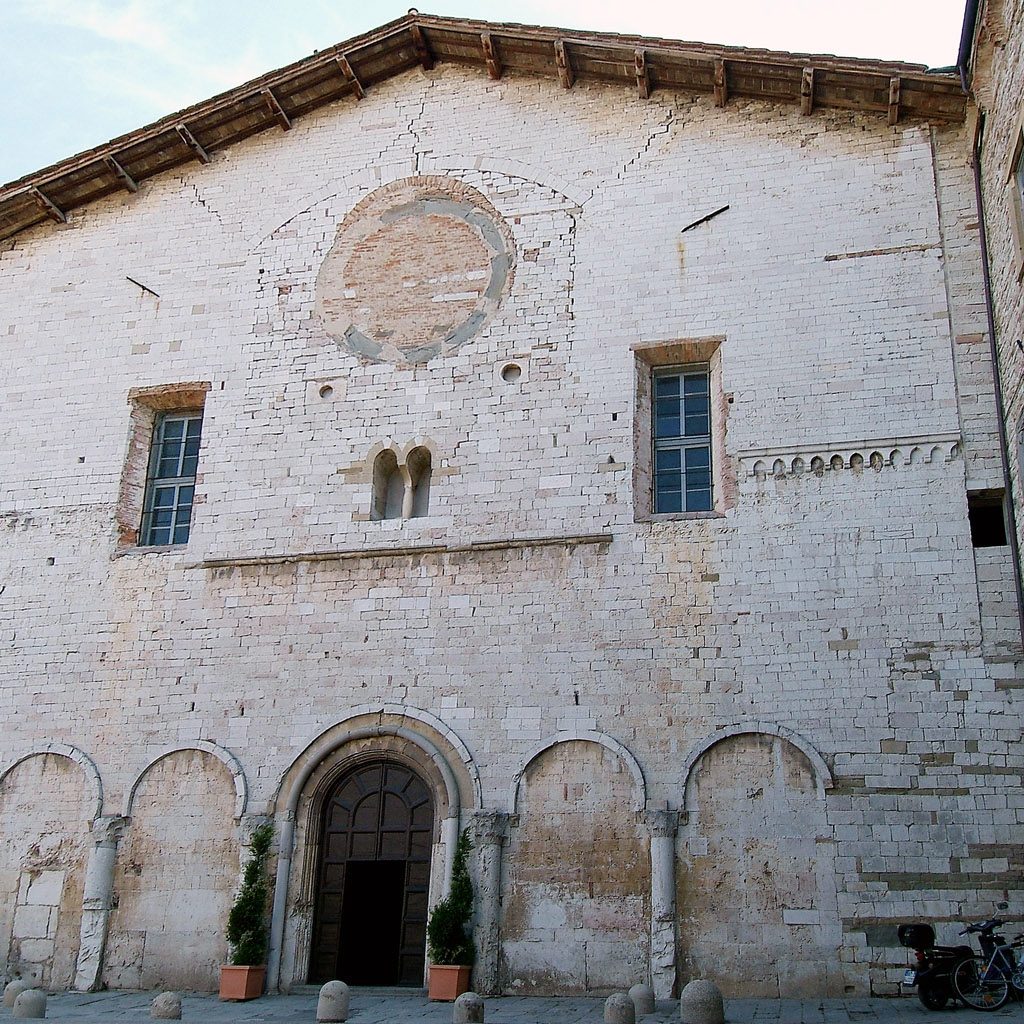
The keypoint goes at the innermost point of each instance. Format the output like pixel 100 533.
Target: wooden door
pixel 371 902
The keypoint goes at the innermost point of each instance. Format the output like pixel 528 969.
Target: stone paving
pixel 376 1007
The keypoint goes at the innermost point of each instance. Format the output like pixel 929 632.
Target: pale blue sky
pixel 76 73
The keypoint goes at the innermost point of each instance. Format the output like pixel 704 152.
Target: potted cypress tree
pixel 244 977
pixel 449 940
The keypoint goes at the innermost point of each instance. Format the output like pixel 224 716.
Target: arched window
pixel 418 465
pixel 388 487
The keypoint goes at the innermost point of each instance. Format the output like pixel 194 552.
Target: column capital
pixel 663 823
pixel 489 827
pixel 108 829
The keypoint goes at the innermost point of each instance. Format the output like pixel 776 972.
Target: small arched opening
pixel 418 464
pixel 388 487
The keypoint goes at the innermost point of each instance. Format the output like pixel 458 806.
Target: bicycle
pixel 986 980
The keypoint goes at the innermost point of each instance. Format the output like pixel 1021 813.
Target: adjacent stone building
pixel 588 441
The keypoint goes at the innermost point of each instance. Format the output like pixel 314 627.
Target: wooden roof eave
pixel 349 68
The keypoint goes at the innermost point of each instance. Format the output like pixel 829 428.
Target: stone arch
pixel 388 732
pixel 631 763
pixel 82 759
pixel 388 487
pixel 577 903
pixel 756 881
pixel 176 870
pixel 224 755
pixel 48 800
pixel 419 468
pixel 822 773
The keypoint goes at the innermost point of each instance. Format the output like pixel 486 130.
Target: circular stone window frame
pixel 430 195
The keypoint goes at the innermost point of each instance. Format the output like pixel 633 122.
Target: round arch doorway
pixel 376 832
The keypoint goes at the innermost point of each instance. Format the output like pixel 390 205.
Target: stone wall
pixel 46 804
pixel 833 595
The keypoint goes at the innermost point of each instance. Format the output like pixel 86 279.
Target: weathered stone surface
pixel 332 1004
pixel 833 592
pixel 166 1006
pixel 643 998
pixel 468 1009
pixel 701 1003
pixel 619 1009
pixel 13 989
pixel 30 1005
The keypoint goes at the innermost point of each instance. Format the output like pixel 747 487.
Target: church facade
pixel 586 441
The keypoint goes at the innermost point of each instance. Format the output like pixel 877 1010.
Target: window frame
pixel 1015 179
pixel 145 405
pixel 705 353
pixel 175 482
pixel 683 442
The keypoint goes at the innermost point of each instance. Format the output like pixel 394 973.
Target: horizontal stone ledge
pixel 405 551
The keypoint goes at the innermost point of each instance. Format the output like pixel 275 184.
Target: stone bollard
pixel 166 1006
pixel 619 1009
pixel 643 999
pixel 13 989
pixel 701 1003
pixel 30 1005
pixel 468 1009
pixel 332 1006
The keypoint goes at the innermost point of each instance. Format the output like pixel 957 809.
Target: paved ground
pixel 376 1007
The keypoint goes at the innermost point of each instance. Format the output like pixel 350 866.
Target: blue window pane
pixel 697 458
pixel 670 459
pixel 173 429
pixel 181 534
pixel 159 536
pixel 698 501
pixel 666 387
pixel 188 466
pixel 163 497
pixel 668 500
pixel 695 384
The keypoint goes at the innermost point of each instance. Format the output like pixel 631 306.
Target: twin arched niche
pixel 401 490
pixel 756 885
pixel 47 803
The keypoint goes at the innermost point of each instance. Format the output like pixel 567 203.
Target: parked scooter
pixel 933 975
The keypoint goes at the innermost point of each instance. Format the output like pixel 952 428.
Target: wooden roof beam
pixel 807 91
pixel 419 40
pixel 491 58
pixel 350 76
pixel 48 206
pixel 894 99
pixel 121 174
pixel 190 140
pixel 566 74
pixel 643 81
pixel 276 109
pixel 721 83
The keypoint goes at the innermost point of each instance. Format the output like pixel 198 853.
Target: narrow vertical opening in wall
pixel 388 487
pixel 987 516
pixel 418 464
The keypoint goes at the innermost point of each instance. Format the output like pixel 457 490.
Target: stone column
pixel 97 901
pixel 663 825
pixel 285 840
pixel 489 831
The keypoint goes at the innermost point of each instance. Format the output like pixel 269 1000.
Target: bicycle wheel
pixel 978 990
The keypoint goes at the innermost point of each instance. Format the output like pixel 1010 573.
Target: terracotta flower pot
pixel 446 983
pixel 241 983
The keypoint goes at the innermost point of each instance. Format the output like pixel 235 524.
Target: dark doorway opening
pixel 370 920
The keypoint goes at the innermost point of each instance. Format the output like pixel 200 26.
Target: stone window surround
pixel 146 405
pixel 1014 176
pixel 680 354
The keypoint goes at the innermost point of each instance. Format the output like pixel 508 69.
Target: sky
pixel 76 73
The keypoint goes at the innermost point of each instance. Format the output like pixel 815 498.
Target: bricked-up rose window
pixel 158 484
pixel 171 483
pixel 681 431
